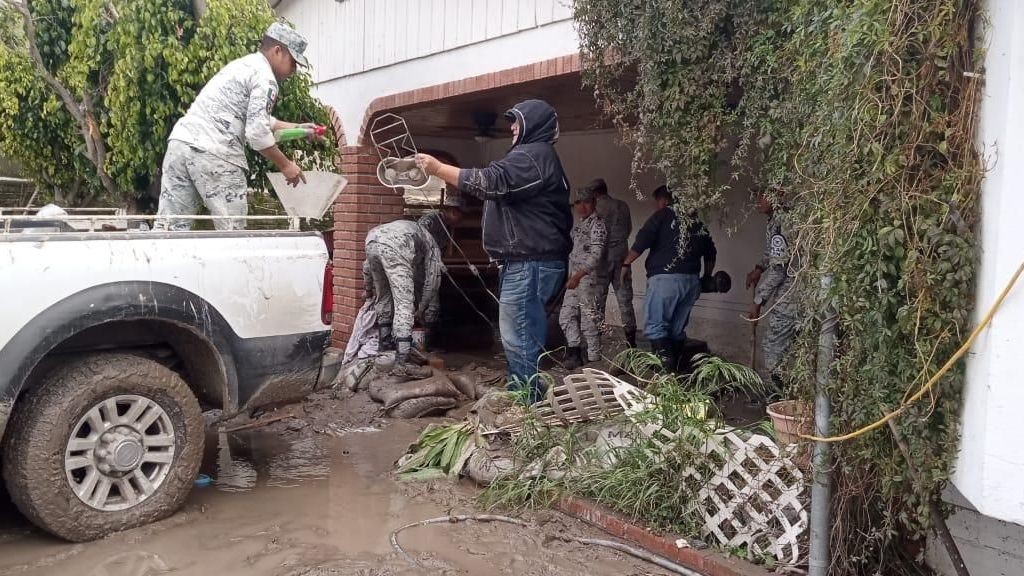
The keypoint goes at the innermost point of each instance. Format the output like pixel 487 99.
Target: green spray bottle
pixel 299 132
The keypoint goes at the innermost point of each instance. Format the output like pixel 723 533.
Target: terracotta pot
pixel 791 418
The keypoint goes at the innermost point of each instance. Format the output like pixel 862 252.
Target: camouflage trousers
pixel 192 177
pixel 580 320
pixel 610 274
pixel 783 322
pixel 393 287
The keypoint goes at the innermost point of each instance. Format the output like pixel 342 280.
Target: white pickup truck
pixel 111 341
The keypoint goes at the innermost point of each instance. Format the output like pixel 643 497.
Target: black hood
pixel 538 122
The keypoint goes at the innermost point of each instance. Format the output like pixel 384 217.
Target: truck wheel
pixel 106 442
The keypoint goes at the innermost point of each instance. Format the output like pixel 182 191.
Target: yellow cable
pixel 945 368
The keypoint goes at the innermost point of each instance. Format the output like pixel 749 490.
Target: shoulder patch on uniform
pixel 778 245
pixel 271 99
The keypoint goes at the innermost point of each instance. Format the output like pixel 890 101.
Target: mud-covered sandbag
pixel 486 468
pixel 354 374
pixel 467 383
pixel 437 385
pixel 491 405
pixel 380 385
pixel 422 406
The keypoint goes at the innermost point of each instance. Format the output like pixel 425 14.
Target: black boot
pixel 662 348
pixel 573 358
pixel 631 338
pixel 681 363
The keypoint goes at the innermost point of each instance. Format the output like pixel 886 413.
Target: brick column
pixel 363 204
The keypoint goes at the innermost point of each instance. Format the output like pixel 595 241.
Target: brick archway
pixel 365 203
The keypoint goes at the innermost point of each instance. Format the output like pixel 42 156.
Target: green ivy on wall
pixel 859 118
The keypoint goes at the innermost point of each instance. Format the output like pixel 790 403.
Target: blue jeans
pixel 526 287
pixel 670 297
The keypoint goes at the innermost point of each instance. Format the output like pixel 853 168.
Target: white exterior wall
pixel 990 471
pixel 360 50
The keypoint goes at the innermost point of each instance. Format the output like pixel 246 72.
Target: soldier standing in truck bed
pixel 205 160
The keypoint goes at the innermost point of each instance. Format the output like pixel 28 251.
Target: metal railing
pixel 102 220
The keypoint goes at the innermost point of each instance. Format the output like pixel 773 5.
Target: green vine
pixel 859 118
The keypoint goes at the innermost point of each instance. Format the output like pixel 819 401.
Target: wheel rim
pixel 119 453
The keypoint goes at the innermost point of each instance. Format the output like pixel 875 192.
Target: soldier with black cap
pixel 205 159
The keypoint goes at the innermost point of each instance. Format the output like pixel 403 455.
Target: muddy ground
pixel 314 495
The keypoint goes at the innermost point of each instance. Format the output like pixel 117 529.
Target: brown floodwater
pixel 315 505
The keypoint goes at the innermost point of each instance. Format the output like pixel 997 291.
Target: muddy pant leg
pixel 590 320
pixel 569 318
pixel 782 327
pixel 602 279
pixel 178 195
pixel 222 187
pixel 403 292
pixel 383 303
pixel 624 298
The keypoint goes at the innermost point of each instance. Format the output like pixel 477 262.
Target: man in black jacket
pixel 526 225
pixel 673 273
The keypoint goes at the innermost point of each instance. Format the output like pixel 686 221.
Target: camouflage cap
pixel 291 40
pixel 584 195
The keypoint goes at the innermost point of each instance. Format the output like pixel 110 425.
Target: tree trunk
pixel 198 9
pixel 82 111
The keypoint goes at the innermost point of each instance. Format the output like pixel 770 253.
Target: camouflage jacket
pixel 231 110
pixel 589 242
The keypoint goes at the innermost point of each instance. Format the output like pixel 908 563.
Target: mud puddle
pixel 322 505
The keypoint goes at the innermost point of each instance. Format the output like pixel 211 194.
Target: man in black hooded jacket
pixel 526 226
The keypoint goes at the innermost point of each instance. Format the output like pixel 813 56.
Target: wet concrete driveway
pixel 320 505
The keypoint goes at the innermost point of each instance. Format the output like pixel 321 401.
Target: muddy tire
pixel 104 443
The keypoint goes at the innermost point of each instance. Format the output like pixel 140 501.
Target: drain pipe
pixel 821 489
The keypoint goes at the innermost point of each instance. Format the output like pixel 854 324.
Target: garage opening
pixel 469 131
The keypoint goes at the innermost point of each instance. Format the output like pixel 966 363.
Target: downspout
pixel 821 489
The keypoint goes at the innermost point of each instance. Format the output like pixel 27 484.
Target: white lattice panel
pixel 753 495
pixel 755 498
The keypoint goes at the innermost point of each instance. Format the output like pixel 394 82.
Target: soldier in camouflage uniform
pixel 619 223
pixel 205 159
pixel 405 266
pixel 579 317
pixel 774 282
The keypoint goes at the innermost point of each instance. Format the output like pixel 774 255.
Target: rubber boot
pixel 778 388
pixel 680 364
pixel 662 348
pixel 631 338
pixel 573 358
